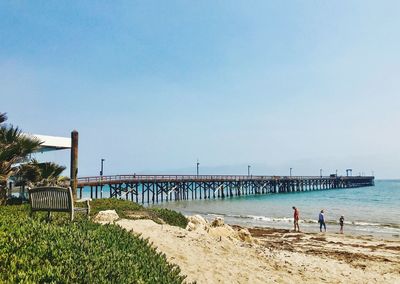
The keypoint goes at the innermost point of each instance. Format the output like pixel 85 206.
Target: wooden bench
pixel 55 199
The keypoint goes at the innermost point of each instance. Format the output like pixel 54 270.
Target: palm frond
pixel 3 117
pixel 41 174
pixel 28 173
pixel 14 148
pixel 50 170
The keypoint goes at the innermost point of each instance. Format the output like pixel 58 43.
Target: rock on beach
pixel 106 217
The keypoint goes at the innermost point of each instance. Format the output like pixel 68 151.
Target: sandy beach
pixel 219 253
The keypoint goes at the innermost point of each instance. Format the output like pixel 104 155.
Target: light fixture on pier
pixel 101 177
pixel 102 167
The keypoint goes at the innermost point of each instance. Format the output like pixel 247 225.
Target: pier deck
pixel 159 188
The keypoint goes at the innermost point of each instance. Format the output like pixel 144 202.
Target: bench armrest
pixel 86 200
pixel 83 200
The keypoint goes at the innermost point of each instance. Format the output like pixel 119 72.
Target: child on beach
pixel 321 221
pixel 341 222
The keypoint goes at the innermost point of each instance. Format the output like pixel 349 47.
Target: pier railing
pixel 166 178
pixel 155 188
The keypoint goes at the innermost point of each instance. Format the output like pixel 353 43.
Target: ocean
pixel 367 210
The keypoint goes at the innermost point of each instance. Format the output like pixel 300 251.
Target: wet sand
pixel 332 258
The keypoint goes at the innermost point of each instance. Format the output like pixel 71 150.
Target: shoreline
pixel 348 231
pixel 359 228
pixel 214 252
pixel 346 234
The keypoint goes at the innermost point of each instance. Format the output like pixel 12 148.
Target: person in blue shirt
pixel 321 221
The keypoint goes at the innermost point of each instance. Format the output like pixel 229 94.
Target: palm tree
pixel 40 174
pixel 14 149
pixel 50 173
pixel 27 174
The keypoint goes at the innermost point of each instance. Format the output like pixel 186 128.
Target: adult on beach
pixel 296 219
pixel 341 222
pixel 321 221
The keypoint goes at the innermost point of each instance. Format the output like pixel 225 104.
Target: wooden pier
pixel 160 188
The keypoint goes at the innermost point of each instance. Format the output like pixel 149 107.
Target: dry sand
pixel 225 254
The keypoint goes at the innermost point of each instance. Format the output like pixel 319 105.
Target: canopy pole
pixel 74 162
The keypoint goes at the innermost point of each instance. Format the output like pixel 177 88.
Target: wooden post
pixel 74 162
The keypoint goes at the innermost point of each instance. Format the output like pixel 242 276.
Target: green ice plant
pixel 171 217
pixel 35 251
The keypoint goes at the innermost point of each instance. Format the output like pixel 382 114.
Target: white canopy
pixel 52 143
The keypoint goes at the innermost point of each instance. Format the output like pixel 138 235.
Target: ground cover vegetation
pixel 33 250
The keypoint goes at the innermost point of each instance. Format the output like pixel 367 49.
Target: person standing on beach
pixel 296 219
pixel 321 221
pixel 341 222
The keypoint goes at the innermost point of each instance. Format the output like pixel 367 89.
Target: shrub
pixel 125 208
pixel 122 207
pixel 35 251
pixel 171 217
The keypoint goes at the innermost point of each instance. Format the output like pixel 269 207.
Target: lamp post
pixel 320 172
pixel 101 178
pixel 197 167
pixel 101 168
pixel 248 170
pixel 336 173
pixel 291 172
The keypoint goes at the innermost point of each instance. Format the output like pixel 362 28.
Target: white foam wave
pixel 268 219
pixel 271 219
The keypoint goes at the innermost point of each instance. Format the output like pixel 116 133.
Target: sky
pixel 152 86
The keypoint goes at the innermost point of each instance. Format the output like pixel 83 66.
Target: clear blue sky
pixel 153 85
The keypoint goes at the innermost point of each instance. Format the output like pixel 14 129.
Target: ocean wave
pixel 385 225
pixel 269 219
pixel 216 215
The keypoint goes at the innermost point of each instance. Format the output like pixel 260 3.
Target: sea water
pixel 371 210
